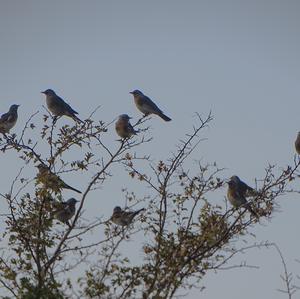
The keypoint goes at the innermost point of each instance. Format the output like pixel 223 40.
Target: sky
pixel 238 59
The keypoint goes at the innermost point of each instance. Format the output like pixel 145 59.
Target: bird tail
pixel 77 119
pixel 253 213
pixel 66 186
pixel 137 212
pixel 164 117
pixel 68 224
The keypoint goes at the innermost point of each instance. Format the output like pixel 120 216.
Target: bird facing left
pixel 123 127
pixel 52 181
pixel 58 107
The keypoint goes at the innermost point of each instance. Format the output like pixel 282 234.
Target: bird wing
pixel 243 188
pixel 131 129
pixel 243 198
pixel 62 184
pixel 66 207
pixel 66 106
pixel 117 218
pixel 6 117
pixel 70 109
pixel 127 214
pixel 130 215
pixel 148 102
pixel 59 206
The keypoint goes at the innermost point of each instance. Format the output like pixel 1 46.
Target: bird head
pixel 235 179
pixel 230 183
pixel 117 209
pixel 14 108
pixel 49 92
pixel 42 166
pixel 136 93
pixel 124 117
pixel 72 201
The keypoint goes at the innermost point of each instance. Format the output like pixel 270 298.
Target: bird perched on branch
pixel 297 144
pixel 123 218
pixel 9 119
pixel 51 180
pixel 237 192
pixel 58 107
pixel 64 211
pixel 146 106
pixel 123 126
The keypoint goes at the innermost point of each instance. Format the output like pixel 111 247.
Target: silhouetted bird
pixel 237 192
pixel 297 144
pixel 58 107
pixel 64 211
pixel 123 126
pixel 51 180
pixel 9 119
pixel 123 218
pixel 146 106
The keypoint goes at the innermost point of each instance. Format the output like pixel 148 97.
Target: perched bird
pixel 237 192
pixel 9 119
pixel 51 180
pixel 123 126
pixel 123 218
pixel 64 211
pixel 146 106
pixel 297 143
pixel 58 107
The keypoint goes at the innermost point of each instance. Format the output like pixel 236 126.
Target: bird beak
pixel 131 92
pixel 43 92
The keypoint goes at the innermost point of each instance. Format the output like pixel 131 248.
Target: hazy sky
pixel 239 59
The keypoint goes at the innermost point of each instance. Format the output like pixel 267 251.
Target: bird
pixel 64 211
pixel 58 107
pixel 297 144
pixel 237 192
pixel 51 180
pixel 123 126
pixel 9 119
pixel 123 218
pixel 146 106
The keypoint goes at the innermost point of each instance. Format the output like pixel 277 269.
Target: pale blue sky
pixel 239 59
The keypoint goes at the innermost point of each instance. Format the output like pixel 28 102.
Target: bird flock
pixel 63 211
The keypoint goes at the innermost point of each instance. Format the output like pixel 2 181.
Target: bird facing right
pixel 146 105
pixel 123 218
pixel 123 126
pixel 9 119
pixel 237 192
pixel 297 143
